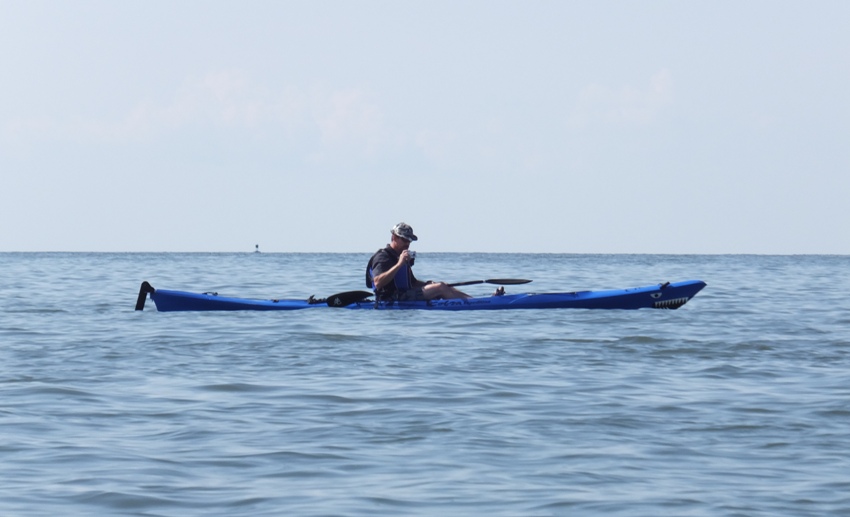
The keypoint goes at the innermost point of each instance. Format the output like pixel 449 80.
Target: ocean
pixel 737 404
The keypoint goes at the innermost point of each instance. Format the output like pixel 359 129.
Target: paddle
pixel 497 281
pixel 347 298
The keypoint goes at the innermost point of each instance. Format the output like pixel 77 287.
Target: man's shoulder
pixel 383 253
pixel 383 256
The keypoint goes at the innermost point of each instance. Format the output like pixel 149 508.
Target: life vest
pixel 402 282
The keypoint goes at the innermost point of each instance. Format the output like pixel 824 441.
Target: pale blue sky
pixel 586 127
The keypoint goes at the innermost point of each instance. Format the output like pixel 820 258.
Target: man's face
pixel 402 243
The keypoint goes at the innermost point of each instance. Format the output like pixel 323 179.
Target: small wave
pixel 237 387
pixel 37 310
pixel 721 371
pixel 123 500
pixel 641 340
pixel 58 391
pixel 288 456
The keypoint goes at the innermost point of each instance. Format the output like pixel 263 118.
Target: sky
pixel 489 126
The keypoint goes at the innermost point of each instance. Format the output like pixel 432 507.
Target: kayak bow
pixel 659 296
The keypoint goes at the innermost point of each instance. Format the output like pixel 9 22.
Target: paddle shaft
pixel 496 281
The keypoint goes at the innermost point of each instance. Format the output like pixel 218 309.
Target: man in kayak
pixel 390 275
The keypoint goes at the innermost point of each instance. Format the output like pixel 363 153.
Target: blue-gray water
pixel 736 404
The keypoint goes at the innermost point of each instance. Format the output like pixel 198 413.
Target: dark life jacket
pixel 403 280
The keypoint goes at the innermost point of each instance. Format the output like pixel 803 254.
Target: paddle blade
pixel 347 298
pixel 507 281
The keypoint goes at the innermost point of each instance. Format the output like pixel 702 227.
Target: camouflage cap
pixel 405 231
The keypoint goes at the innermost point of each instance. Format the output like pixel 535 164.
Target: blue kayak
pixel 659 296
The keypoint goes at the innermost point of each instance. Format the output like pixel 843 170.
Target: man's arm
pixel 383 278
